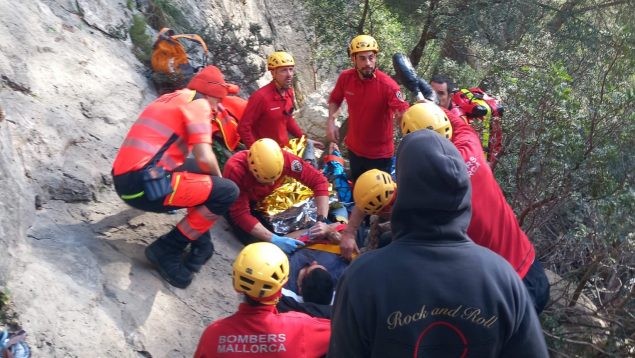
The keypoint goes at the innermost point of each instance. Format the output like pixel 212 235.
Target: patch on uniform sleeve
pixel 400 96
pixel 296 166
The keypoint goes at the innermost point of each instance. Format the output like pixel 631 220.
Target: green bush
pixel 140 39
pixel 164 14
pixel 7 316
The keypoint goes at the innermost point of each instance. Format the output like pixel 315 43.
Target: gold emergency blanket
pixel 287 195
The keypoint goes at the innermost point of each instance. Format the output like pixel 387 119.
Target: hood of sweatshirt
pixel 434 190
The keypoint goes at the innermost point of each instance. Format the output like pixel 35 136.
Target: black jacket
pixel 433 292
pixel 287 304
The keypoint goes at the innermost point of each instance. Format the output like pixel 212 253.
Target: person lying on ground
pixel 316 288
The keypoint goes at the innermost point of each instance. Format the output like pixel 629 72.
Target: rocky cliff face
pixel 71 252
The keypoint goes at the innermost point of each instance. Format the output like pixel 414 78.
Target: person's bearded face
pixel 365 63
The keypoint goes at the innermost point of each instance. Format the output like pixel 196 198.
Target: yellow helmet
pixel 373 191
pixel 266 160
pixel 426 116
pixel 260 270
pixel 363 43
pixel 279 59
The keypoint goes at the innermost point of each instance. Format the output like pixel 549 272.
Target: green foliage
pixel 331 24
pixel 140 39
pixel 4 298
pixel 335 23
pixel 567 168
pixel 6 316
pixel 565 72
pixel 464 76
pixel 227 50
pixel 166 14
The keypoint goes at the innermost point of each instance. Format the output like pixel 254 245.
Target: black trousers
pixel 224 192
pixel 244 237
pixel 537 285
pixel 360 165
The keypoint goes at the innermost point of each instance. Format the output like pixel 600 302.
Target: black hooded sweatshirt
pixel 432 292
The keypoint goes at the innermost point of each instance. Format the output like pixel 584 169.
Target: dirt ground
pixel 89 282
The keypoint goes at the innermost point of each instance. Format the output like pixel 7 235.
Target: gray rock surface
pixel 71 251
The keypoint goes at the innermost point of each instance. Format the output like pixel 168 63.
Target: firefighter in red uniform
pixel 493 223
pixel 269 112
pixel 151 173
pixel 373 99
pixel 257 329
pixel 258 172
pixel 444 88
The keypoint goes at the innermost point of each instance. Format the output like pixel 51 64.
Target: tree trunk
pixel 417 51
pixel 362 21
pixel 561 16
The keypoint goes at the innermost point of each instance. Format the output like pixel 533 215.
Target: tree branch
pixel 534 206
pixel 585 278
pixel 574 341
pixel 362 21
pixel 562 14
pixel 601 6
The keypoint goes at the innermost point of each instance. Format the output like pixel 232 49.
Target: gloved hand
pixel 287 244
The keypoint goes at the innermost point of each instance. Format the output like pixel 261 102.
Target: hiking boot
pixel 165 253
pixel 201 251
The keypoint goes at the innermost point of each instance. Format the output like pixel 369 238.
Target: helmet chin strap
pixel 270 300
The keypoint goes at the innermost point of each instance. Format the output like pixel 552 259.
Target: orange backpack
pixel 169 55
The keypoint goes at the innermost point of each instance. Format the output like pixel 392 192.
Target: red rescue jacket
pixel 260 331
pixel 494 224
pixel 269 115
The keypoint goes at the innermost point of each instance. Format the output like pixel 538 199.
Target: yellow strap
pixel 132 196
pixel 176 186
pixel 222 130
pixel 332 248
